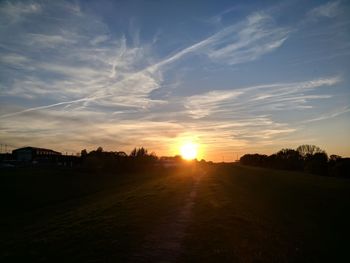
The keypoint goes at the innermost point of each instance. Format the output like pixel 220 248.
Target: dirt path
pixel 164 244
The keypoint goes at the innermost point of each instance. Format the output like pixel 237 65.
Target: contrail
pixel 149 69
pixel 44 107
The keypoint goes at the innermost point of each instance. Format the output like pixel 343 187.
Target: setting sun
pixel 189 151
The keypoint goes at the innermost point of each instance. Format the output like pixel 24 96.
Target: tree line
pixel 117 161
pixel 308 158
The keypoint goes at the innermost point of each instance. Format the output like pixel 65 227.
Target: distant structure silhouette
pixel 29 154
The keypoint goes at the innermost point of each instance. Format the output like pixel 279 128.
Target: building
pixel 34 154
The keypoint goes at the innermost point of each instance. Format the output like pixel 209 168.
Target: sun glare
pixel 189 151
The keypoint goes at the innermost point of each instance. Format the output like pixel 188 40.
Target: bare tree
pixel 139 152
pixel 308 149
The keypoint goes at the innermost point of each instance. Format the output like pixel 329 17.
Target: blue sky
pixel 232 76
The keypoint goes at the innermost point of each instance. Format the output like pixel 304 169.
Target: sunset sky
pixel 233 77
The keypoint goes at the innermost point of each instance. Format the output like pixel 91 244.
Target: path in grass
pixel 164 243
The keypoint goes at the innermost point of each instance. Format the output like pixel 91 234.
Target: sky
pixel 233 77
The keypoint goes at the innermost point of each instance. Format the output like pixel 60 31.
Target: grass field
pixel 219 213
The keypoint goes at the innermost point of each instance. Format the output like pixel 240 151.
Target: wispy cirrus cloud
pixel 113 72
pixel 242 42
pixel 205 104
pixel 257 36
pixel 330 115
pixel 265 98
pixel 86 128
pixel 330 9
pixel 49 41
pixel 245 116
pixel 13 59
pixel 72 65
pixel 12 12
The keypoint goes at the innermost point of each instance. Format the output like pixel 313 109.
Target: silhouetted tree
pixel 317 163
pixel 309 158
pixel 334 158
pixel 289 159
pixel 254 159
pixel 307 149
pixel 139 152
pixel 83 153
pixel 339 166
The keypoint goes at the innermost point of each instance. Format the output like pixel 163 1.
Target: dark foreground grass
pixel 247 214
pixel 63 217
pixel 239 214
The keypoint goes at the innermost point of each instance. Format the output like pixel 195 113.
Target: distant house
pixel 30 154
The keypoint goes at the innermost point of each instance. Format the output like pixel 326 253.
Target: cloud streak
pixel 265 98
pixel 127 85
pixel 330 9
pixel 246 41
